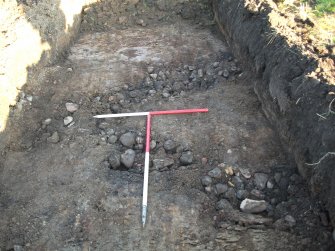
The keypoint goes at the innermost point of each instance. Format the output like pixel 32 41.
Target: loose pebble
pixel 71 107
pixel 186 158
pixel 128 158
pixel 153 144
pixel 224 205
pixel 68 120
pixel 269 184
pixel 245 173
pixel 128 139
pixel 220 188
pixel 114 160
pixel 54 138
pixel 260 180
pixel 225 73
pixel 254 193
pixel 112 139
pixel 242 194
pixel 230 194
pixel 215 173
pixel 229 170
pixel 253 206
pixel 151 69
pixel 47 122
pixel 238 182
pixel 206 181
pixel 290 220
pixel 170 146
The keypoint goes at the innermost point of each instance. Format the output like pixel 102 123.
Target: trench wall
pixel 290 97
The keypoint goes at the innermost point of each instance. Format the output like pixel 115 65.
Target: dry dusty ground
pixel 62 193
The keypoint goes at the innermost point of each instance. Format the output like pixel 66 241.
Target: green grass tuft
pixel 325 6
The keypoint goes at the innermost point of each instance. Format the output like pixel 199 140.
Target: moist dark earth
pixel 66 183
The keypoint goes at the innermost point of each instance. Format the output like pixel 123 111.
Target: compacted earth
pixel 218 181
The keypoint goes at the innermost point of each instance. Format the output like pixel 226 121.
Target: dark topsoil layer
pixel 294 85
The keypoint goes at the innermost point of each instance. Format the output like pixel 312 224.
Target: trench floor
pixel 65 195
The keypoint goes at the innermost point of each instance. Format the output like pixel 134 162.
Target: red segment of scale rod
pixel 169 112
pixel 147 142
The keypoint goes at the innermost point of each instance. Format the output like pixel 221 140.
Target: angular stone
pixel 128 158
pixel 170 146
pixel 253 206
pixel 230 194
pixel 68 120
pixel 186 158
pixel 153 144
pixel 114 160
pixel 238 182
pixel 270 184
pixel 220 188
pixel 257 194
pixel 242 194
pixel 54 138
pixel 128 139
pixel 71 107
pixel 215 173
pixel 150 69
pixel 260 180
pixel 245 173
pixel 224 205
pixel 158 164
pixel 229 170
pixel 112 139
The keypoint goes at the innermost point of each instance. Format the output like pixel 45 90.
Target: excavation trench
pixel 72 182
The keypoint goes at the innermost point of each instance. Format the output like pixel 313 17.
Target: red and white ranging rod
pixel 147 144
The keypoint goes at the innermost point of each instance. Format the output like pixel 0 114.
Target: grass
pixel 321 12
pixel 322 7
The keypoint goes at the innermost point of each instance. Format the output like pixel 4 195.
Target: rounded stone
pixel 128 158
pixel 290 220
pixel 220 188
pixel 170 146
pixel 206 181
pixel 128 139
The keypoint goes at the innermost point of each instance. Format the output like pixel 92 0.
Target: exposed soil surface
pixel 67 184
